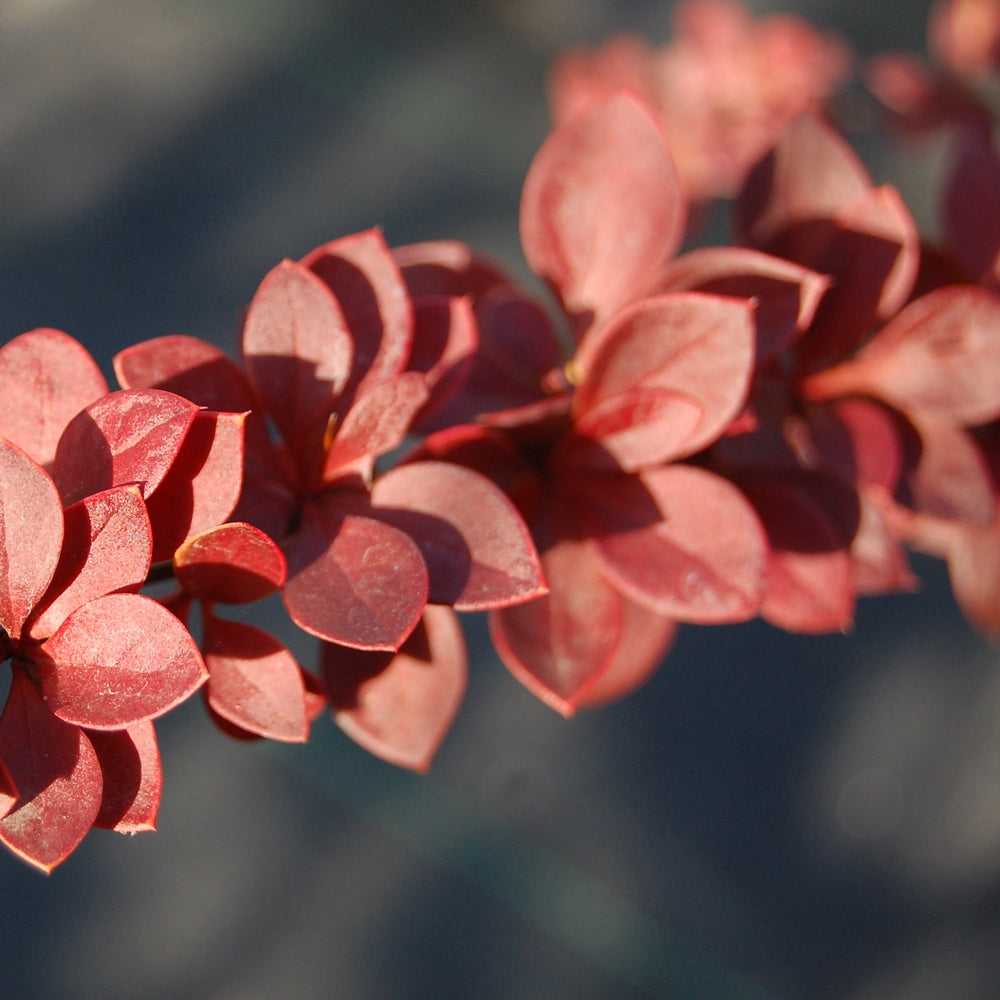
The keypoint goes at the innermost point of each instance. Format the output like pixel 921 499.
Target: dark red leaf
pixel 698 346
pixel 106 547
pixel 57 774
pixel 602 209
pixel 354 580
pixel 48 377
pixel 31 534
pixel 232 563
pixel 298 352
pixel 477 549
pixel 133 777
pixel 254 681
pixel 116 661
pixel 365 279
pixel 447 268
pixel 203 484
pixel 399 706
pixel 445 343
pixel 809 565
pixel 971 208
pixel 678 540
pixel 130 436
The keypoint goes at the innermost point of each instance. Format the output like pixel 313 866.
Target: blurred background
pixel 773 817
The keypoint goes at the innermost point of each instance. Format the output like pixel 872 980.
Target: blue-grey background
pixel 772 817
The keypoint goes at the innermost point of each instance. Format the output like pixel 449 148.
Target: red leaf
pixel 57 774
pixel 203 485
pixel 130 436
pixel 447 268
pixel 377 422
pixel 810 174
pixel 477 549
pixel 298 352
pixel 560 645
pixel 445 344
pixel 602 209
pixel 116 661
pixel 695 345
pixel 645 639
pixel 133 778
pixel 48 377
pixel 189 367
pixel 31 534
pixel 354 580
pixel 631 431
pixel 938 359
pixel 254 681
pixel 785 295
pixel 365 279
pixel 399 706
pixel 232 563
pixel 971 210
pixel 106 548
pixel 809 564
pixel 678 540
pixel 519 360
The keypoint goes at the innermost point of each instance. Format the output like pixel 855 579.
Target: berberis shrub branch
pixel 764 428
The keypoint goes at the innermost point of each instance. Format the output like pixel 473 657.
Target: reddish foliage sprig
pixel 760 429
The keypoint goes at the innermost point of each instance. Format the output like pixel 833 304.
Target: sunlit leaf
pixel 48 377
pixel 233 563
pixel 478 550
pixel 116 661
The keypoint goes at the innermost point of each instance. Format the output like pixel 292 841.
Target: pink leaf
pixel 232 563
pixel 298 352
pixel 354 580
pixel 477 549
pixel 57 774
pixel 254 681
pixel 602 209
pixel 203 484
pixel 785 295
pixel 938 359
pixel 133 778
pixel 31 534
pixel 130 436
pixel 48 377
pixel 698 346
pixel 377 422
pixel 399 706
pixel 106 548
pixel 365 279
pixel 116 661
pixel 678 540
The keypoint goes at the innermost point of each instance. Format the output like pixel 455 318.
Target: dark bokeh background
pixel 773 817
